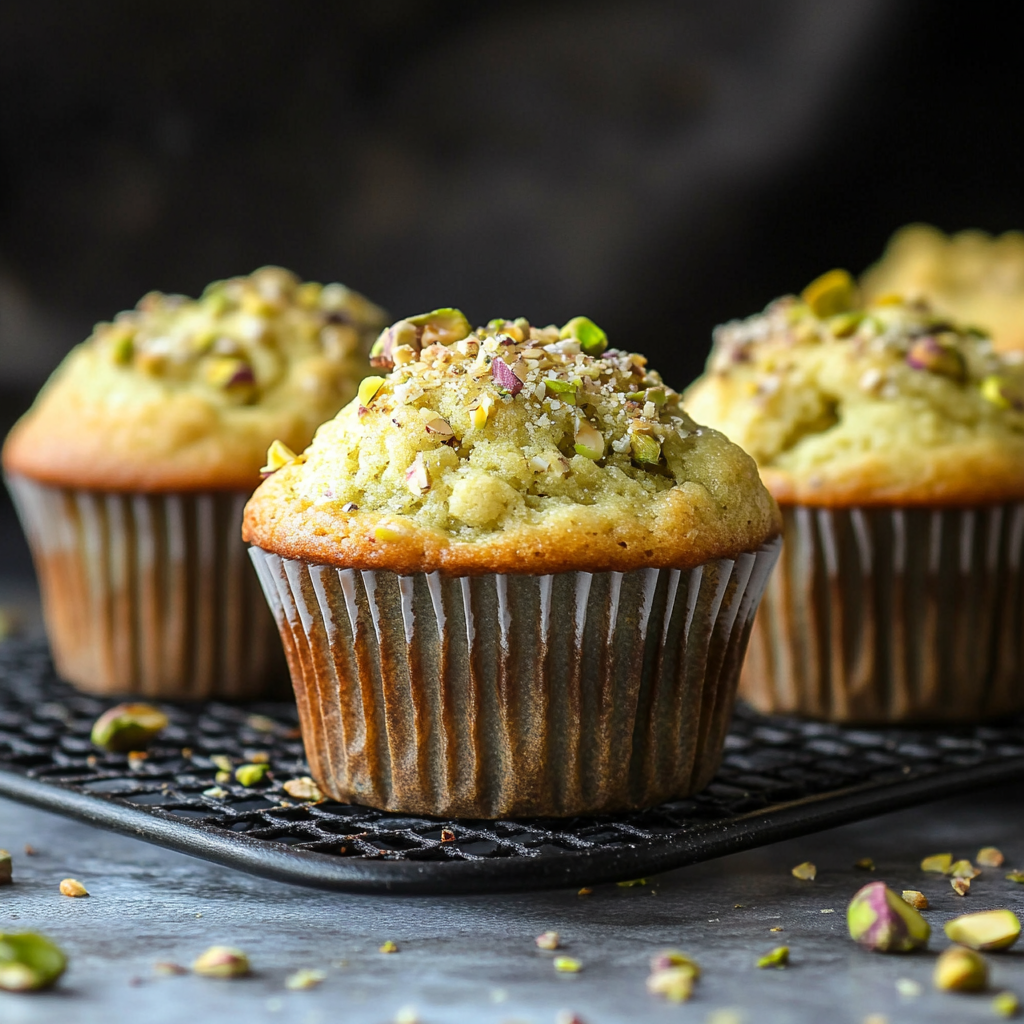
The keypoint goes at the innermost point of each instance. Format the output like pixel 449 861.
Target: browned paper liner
pixel 504 695
pixel 149 594
pixel 893 615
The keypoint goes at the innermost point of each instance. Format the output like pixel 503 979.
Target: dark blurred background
pixel 660 165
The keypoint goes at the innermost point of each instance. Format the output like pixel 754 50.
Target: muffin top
pixel 843 403
pixel 186 394
pixel 971 276
pixel 510 448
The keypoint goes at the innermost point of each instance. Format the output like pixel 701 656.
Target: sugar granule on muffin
pixel 511 448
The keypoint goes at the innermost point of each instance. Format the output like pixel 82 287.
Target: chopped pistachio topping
pixel 990 857
pixel 961 886
pixel 593 341
pixel 238 341
pixel 964 869
pixel 989 929
pixel 806 872
pixel 777 957
pixel 73 887
pixel 865 864
pixel 29 961
pixel 674 958
pixel 940 863
pixel 388 947
pixel 831 294
pixel 586 890
pixel 631 883
pixel 278 456
pixel 128 727
pixel 222 962
pixel 547 940
pixel 1015 876
pixel 567 964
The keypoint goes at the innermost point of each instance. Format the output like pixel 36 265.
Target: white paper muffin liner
pixel 149 594
pixel 893 615
pixel 499 695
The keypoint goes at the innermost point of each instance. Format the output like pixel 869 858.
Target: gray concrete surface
pixel 473 959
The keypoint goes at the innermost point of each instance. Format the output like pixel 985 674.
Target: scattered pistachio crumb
pixel 217 792
pixel 916 899
pixel 222 962
pixel 961 886
pixel 908 988
pixel 447 835
pixel 1015 876
pixel 222 762
pixel 261 723
pixel 776 928
pixel 388 947
pixel 940 863
pixel 547 940
pixel 632 882
pixel 168 968
pixel 990 857
pixel 806 872
pixel 738 906
pixel 1006 1004
pixel 586 890
pixel 5 868
pixel 865 864
pixel 567 965
pixel 305 977
pixel 674 983
pixel 258 757
pixel 964 869
pixel 828 910
pixel 250 774
pixel 303 788
pixel 222 777
pixel 73 887
pixel 778 957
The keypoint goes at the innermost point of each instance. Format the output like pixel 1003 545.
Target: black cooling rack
pixel 779 778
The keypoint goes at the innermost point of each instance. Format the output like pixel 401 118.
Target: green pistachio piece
pixel 928 353
pixel 229 372
pixel 1003 392
pixel 675 984
pixel 403 332
pixel 844 324
pixel 589 441
pixel 368 387
pixel 989 929
pixel 29 961
pixel 833 293
pixel 940 863
pixel 778 957
pixel 593 341
pixel 563 390
pixel 251 774
pixel 645 448
pixel 674 958
pixel 883 922
pixel 222 962
pixel 1006 1004
pixel 960 970
pixel 445 326
pixel 126 727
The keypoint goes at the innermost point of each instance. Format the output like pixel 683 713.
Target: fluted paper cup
pixel 501 695
pixel 893 615
pixel 149 594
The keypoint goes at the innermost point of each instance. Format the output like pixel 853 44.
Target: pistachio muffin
pixel 513 576
pixel 973 277
pixel 131 469
pixel 893 439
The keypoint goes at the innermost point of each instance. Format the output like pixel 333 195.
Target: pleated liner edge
pixel 505 695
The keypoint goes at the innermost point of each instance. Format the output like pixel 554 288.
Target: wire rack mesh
pixel 779 777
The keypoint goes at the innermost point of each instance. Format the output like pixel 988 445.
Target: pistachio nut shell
pixel 881 921
pixel 29 961
pixel 989 929
pixel 960 970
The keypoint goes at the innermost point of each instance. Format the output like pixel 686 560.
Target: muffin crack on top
pixel 510 448
pixel 843 402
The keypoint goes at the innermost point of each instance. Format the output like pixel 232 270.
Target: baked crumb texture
pixel 511 448
pixel 844 402
pixel 973 277
pixel 185 394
